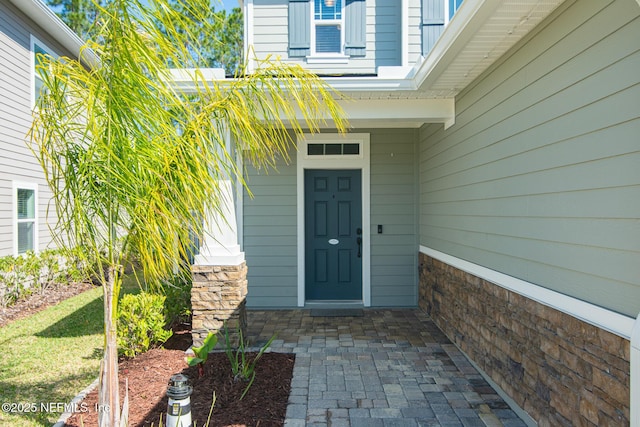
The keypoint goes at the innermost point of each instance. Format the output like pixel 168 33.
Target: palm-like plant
pixel 134 163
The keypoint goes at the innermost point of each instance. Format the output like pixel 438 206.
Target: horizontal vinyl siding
pixel 270 26
pixel 17 163
pixel 270 242
pixel 415 33
pixel 384 34
pixel 383 37
pixel 539 178
pixel 393 205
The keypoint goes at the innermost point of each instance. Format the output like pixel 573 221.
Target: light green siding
pixel 269 236
pixel 393 205
pixel 270 226
pixel 540 178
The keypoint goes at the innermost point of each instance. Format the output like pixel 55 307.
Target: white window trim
pixel 361 162
pixel 328 59
pixel 14 216
pixel 32 61
pixel 333 57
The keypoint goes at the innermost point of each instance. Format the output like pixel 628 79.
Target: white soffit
pixel 479 34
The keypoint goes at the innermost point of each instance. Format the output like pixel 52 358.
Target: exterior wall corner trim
pixel 634 419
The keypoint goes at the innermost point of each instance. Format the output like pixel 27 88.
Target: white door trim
pixel 361 162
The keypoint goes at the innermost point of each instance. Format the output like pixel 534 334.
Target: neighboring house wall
pixel 270 230
pixel 539 180
pixel 17 163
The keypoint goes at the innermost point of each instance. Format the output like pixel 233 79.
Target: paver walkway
pixel 385 368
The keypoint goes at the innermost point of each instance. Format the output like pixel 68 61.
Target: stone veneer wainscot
pixel 218 299
pixel 560 370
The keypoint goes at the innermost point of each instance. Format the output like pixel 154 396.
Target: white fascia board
pixel 412 112
pixel 417 111
pixel 189 75
pixel 54 26
pixel 184 79
pixel 357 84
pixel 392 113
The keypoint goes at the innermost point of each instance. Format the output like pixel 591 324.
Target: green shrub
pixel 141 322
pixel 243 367
pixel 177 306
pixel 13 280
pixel 30 272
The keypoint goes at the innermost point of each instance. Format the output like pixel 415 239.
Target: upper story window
pixel 327 27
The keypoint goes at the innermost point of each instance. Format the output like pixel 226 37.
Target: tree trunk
pixel 109 396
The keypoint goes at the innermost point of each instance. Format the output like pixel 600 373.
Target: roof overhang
pixel 45 18
pixel 480 32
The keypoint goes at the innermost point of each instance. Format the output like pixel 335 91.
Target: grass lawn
pixel 47 358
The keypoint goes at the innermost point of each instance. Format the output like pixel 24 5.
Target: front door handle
pixel 359 241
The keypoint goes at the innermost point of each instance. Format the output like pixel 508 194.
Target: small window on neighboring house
pixel 26 226
pixel 37 50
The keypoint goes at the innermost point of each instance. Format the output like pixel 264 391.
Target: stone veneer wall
pixel 218 298
pixel 560 370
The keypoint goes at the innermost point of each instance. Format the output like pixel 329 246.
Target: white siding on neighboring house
pixel 539 178
pixel 17 163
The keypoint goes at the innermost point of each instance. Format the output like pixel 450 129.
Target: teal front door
pixel 333 235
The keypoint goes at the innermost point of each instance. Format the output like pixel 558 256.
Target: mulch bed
pixel 148 375
pixel 41 300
